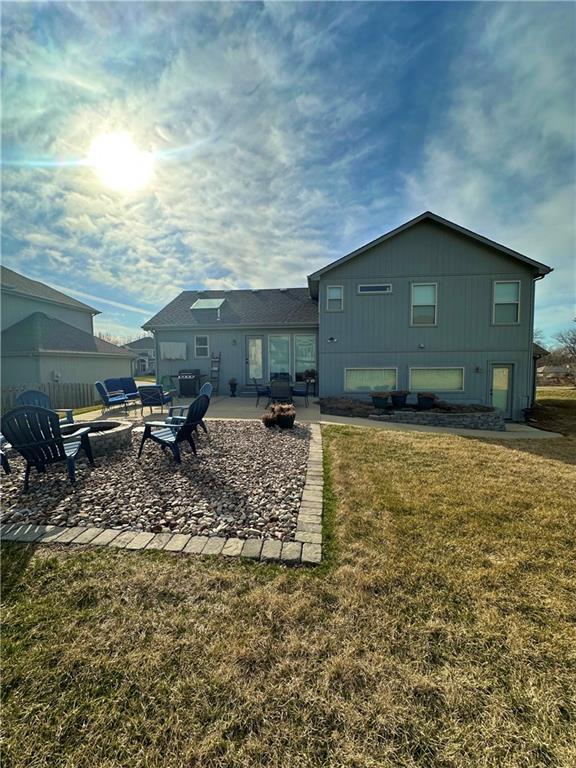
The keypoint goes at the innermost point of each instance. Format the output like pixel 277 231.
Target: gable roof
pixel 16 283
pixel 265 307
pixel 540 268
pixel 538 350
pixel 40 333
pixel 146 342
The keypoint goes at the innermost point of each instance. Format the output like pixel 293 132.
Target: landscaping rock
pixel 246 482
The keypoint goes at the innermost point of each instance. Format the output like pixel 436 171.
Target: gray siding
pixel 375 330
pixel 20 369
pixel 232 347
pixel 83 368
pixel 16 308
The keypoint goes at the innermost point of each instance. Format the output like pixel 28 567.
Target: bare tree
pixel 567 348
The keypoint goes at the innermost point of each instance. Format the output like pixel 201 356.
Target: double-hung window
pixel 424 304
pixel 506 310
pixel 334 298
pixel 201 346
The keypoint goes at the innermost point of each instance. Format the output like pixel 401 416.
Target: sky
pixel 284 135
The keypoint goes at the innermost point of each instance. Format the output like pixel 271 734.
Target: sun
pixel 119 163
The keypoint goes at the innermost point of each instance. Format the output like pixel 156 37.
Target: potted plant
pixel 285 415
pixel 233 384
pixel 426 400
pixel 399 398
pixel 269 417
pixel 380 399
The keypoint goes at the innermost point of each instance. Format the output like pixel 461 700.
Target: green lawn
pixel 440 632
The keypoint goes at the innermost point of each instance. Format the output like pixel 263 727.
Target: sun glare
pixel 119 163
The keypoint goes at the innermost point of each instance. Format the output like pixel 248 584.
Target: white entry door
pixel 501 388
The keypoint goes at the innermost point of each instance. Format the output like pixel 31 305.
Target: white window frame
pixel 386 286
pixel 412 305
pixel 494 302
pixel 341 298
pixel 438 368
pixel 207 345
pixel 369 368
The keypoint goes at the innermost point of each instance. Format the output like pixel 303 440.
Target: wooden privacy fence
pixel 61 395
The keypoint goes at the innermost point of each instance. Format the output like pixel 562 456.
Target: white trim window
pixel 334 298
pixel 201 346
pixel 424 304
pixel 436 380
pixel 506 302
pixel 370 379
pixel 368 289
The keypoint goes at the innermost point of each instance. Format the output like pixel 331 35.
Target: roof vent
pixel 283 290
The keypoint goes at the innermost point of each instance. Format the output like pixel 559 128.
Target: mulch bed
pixel 247 480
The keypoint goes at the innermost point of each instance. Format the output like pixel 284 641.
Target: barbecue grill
pixel 189 382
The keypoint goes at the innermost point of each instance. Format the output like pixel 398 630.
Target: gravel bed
pixel 246 481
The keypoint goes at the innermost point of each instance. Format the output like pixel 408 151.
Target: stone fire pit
pixel 106 436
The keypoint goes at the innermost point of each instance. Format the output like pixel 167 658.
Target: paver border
pixel 306 549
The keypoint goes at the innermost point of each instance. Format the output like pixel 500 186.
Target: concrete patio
pixel 225 407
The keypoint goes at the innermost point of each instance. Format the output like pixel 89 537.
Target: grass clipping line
pixel 442 634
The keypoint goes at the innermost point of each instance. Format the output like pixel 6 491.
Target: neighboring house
pixel 145 362
pixel 48 337
pixel 554 374
pixel 430 306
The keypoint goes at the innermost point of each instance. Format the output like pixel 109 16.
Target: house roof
pixel 539 351
pixel 265 307
pixel 40 333
pixel 16 283
pixel 540 268
pixel 146 342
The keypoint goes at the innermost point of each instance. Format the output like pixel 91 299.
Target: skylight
pixel 207 303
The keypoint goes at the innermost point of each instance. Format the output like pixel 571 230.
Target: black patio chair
pixel 302 390
pixel 282 376
pixel 280 391
pixel 261 391
pixel 152 395
pixel 35 434
pixel 171 435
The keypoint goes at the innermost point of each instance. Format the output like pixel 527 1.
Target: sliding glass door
pixel 279 354
pixel 304 357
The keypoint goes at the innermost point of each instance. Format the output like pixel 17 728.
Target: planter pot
pixel 379 401
pixel 233 390
pixel 285 422
pixel 399 401
pixel 425 403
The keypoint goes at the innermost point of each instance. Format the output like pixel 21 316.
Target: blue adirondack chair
pixel 110 399
pixel 153 395
pixel 176 412
pixel 35 434
pixel 35 397
pixel 171 435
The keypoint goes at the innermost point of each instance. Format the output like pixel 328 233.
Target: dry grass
pixel 440 633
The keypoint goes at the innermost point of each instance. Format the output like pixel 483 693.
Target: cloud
pixel 285 135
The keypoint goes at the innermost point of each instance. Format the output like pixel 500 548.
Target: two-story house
pixel 429 306
pixel 48 337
